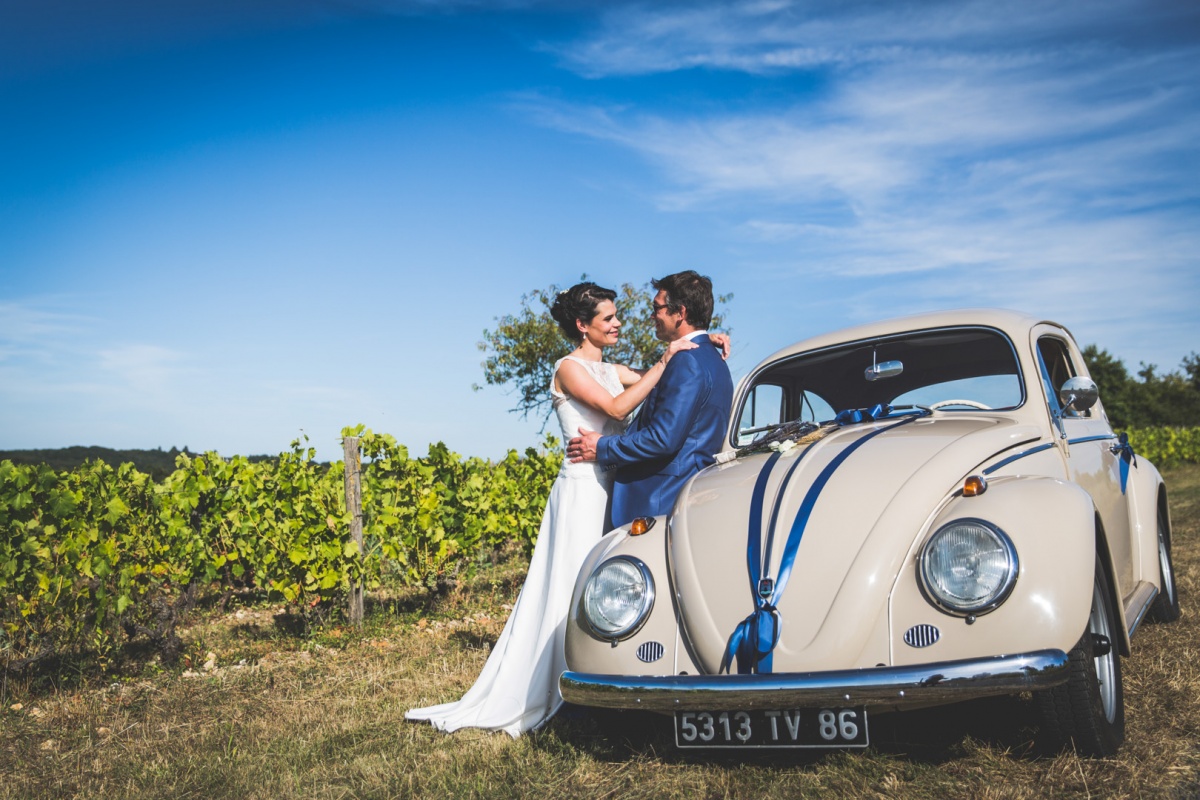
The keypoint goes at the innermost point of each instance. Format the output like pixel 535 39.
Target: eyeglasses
pixel 658 306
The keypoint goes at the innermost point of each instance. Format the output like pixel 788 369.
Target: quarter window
pixel 1056 368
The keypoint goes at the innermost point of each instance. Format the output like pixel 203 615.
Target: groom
pixel 684 419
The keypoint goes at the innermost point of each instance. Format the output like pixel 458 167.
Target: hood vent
pixel 921 635
pixel 650 652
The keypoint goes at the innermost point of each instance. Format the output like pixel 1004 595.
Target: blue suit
pixel 682 424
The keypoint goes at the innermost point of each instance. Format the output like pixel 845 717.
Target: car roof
pixel 1014 323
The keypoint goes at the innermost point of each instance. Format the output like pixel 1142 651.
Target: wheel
pixel 1166 605
pixel 968 403
pixel 1089 709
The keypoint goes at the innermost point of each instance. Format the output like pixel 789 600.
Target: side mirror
pixel 1078 393
pixel 886 369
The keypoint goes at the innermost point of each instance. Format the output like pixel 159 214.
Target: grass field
pixel 259 713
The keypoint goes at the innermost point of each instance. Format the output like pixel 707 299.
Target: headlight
pixel 968 567
pixel 618 597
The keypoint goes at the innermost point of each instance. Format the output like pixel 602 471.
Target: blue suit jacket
pixel 682 424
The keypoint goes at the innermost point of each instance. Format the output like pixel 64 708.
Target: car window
pixel 1056 367
pixel 992 391
pixel 815 409
pixel 955 369
pixel 769 404
pixel 763 407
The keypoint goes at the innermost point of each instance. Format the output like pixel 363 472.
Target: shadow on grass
pixel 450 593
pixel 937 735
pixel 473 639
pixel 928 736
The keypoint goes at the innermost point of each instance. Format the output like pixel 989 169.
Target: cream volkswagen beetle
pixel 909 513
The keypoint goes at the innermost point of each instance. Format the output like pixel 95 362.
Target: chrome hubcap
pixel 1103 661
pixel 1164 565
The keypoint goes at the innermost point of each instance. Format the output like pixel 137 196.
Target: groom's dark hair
pixel 691 291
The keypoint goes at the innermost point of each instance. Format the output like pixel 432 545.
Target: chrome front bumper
pixel 922 684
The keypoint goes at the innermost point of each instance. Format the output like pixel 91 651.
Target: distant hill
pixel 158 463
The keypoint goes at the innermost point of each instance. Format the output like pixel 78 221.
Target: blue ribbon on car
pixel 1124 451
pixel 855 415
pixel 754 639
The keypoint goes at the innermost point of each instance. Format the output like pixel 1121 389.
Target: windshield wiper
pixel 926 409
pixel 779 431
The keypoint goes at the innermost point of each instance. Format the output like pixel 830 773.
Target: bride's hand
pixel 721 340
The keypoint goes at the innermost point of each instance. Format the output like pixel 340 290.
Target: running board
pixel 1138 604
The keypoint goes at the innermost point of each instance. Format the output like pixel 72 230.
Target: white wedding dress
pixel 517 690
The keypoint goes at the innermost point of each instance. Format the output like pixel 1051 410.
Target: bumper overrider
pixel 919 684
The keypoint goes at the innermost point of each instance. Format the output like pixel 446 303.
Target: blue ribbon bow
pixel 1125 451
pixel 754 639
pixel 853 416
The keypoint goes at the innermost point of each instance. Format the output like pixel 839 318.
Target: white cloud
pixel 898 130
pixel 971 134
pixel 141 368
pixel 939 154
pixel 770 231
pixel 22 325
pixel 769 37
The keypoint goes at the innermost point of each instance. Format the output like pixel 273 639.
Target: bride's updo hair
pixel 578 303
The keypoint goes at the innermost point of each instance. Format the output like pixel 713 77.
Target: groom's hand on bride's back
pixel 583 446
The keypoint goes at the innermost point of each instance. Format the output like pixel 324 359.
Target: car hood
pixel 866 492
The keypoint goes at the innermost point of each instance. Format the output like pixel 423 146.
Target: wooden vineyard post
pixel 353 460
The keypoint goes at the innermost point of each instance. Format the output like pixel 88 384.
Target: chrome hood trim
pixel 923 684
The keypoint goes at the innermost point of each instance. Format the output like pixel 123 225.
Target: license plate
pixel 806 727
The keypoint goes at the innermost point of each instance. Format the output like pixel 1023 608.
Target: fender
pixel 585 652
pixel 1051 524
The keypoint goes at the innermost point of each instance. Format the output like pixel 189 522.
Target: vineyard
pixel 92 557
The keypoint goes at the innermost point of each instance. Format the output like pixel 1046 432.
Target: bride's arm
pixel 629 376
pixel 575 381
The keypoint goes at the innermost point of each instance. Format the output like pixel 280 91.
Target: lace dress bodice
pixel 573 415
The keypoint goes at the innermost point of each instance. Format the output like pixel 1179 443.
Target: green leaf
pixel 116 509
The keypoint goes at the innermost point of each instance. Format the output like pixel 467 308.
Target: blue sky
pixel 226 223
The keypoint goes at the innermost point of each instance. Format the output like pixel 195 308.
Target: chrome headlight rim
pixel 997 597
pixel 643 612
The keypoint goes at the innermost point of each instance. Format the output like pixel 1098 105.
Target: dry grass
pixel 322 717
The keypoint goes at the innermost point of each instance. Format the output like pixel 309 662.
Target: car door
pixel 1091 461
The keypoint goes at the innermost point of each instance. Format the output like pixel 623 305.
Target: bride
pixel 517 690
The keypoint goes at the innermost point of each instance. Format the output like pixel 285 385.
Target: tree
pixel 1191 367
pixel 1150 399
pixel 522 349
pixel 1113 381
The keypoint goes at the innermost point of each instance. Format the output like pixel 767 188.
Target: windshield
pixel 951 369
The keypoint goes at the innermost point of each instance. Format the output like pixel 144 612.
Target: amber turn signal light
pixel 974 486
pixel 640 525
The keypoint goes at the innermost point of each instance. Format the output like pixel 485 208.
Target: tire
pixel 1166 605
pixel 1088 710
